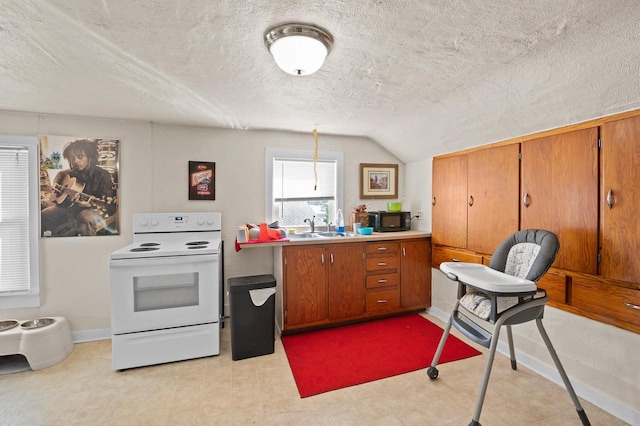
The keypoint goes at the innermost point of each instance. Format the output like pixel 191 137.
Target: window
pixel 292 192
pixel 19 222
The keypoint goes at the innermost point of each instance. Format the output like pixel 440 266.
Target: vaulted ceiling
pixel 418 77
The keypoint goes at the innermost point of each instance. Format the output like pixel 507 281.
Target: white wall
pixel 153 177
pixel 601 360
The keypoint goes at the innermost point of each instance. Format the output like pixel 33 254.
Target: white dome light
pixel 298 49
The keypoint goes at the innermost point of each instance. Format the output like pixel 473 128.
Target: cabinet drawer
pixel 383 247
pixel 383 263
pixel 555 285
pixel 383 299
pixel 383 280
pixel 445 254
pixel 609 300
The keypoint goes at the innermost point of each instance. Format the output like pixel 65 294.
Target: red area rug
pixel 326 360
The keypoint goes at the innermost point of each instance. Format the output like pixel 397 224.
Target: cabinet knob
pixel 525 200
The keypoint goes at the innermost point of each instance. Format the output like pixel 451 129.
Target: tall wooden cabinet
pixel 621 200
pixel 560 194
pixel 581 182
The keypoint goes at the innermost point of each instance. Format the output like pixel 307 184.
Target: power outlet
pixel 419 215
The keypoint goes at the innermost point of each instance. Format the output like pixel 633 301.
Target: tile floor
pixel 83 390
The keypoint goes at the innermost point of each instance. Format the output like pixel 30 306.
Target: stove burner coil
pixel 144 249
pixel 149 244
pixel 197 243
pixel 196 247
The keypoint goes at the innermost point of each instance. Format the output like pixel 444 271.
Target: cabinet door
pixel 493 192
pixel 621 195
pixel 560 194
pixel 449 203
pixel 305 285
pixel 415 273
pixel 346 280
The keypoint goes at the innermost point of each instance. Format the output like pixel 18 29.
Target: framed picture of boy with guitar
pixel 78 186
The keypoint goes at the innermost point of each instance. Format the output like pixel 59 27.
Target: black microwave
pixel 390 221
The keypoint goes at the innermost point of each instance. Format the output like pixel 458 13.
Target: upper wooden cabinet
pixel 560 194
pixel 475 198
pixel 492 197
pixel 620 239
pixel 449 203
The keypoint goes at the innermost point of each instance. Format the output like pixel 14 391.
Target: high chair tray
pixel 485 278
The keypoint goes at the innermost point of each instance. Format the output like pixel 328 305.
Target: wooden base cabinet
pixel 415 289
pixel 331 284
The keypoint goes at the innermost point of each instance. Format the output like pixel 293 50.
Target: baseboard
pixel 594 396
pixel 90 335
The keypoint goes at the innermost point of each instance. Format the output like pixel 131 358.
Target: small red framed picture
pixel 202 180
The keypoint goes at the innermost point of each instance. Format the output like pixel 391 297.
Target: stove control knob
pixel 210 221
pixel 154 222
pixel 200 221
pixel 144 222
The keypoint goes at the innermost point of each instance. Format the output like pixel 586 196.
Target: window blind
pixel 14 220
pixel 293 180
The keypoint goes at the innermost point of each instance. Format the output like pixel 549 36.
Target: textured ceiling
pixel 418 77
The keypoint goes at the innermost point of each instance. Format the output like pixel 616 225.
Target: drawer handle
pixel 382 248
pixel 382 263
pixel 383 301
pixel 525 200
pixel 632 306
pixel 383 281
pixel 453 259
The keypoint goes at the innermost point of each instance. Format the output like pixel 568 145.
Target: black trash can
pixel 252 302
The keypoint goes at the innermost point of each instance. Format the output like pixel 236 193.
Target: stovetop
pixel 172 234
pixel 174 244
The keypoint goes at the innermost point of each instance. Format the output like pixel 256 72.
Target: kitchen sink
pixel 303 235
pixel 330 234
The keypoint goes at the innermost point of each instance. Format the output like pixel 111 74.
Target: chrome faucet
pixel 312 223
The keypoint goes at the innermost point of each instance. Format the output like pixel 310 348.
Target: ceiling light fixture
pixel 298 49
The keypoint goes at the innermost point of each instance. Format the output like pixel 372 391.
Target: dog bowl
pixel 394 207
pixel 365 231
pixel 37 323
pixel 7 325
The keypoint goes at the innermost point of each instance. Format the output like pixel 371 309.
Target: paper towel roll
pixel 259 296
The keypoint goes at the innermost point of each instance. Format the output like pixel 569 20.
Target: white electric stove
pixel 165 290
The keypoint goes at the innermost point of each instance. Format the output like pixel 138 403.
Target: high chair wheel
pixel 432 372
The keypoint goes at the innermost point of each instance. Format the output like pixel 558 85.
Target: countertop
pixel 376 236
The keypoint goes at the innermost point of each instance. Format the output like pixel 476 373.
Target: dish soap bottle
pixel 340 221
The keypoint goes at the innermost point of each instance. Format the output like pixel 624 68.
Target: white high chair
pixel 505 293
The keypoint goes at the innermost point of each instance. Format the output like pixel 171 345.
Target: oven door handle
pixel 153 261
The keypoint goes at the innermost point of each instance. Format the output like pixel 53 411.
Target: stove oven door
pixel 163 292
